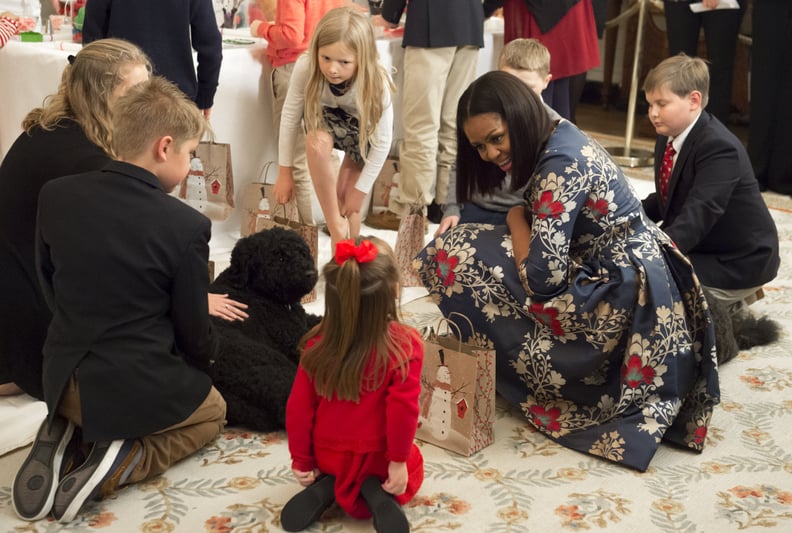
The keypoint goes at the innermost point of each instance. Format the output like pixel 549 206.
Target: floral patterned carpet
pixel 523 482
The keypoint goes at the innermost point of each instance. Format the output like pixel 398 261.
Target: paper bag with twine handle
pixel 457 400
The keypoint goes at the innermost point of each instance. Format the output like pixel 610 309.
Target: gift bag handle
pixel 472 329
pixel 283 209
pixel 265 171
pixel 448 322
pixel 472 338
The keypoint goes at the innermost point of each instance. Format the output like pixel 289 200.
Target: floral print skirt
pixel 345 131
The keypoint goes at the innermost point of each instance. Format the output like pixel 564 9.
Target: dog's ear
pixel 239 271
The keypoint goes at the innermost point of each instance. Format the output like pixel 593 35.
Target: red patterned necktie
pixel 665 170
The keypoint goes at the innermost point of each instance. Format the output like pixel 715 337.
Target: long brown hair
pixel 86 89
pixel 349 26
pixel 356 346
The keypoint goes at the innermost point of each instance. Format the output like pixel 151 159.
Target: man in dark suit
pixel 168 31
pixel 123 267
pixel 706 194
pixel 441 41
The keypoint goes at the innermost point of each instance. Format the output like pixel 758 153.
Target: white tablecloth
pixel 242 113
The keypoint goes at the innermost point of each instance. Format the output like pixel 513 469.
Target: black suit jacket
pixel 438 23
pixel 715 213
pixel 33 160
pixel 123 266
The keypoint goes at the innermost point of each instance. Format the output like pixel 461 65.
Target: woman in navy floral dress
pixel 602 334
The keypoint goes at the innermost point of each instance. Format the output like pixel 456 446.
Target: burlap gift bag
pixel 457 400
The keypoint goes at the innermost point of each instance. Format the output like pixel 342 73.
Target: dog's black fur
pixel 739 331
pixel 270 271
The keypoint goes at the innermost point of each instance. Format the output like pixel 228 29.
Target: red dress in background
pixel 573 43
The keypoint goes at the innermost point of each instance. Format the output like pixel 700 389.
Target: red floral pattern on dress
pixel 700 434
pixel 635 372
pixel 549 317
pixel 545 206
pixel 545 418
pixel 445 267
pixel 598 206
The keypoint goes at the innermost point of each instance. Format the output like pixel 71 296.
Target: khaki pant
pixel 434 80
pixel 165 447
pixel 735 299
pixel 302 181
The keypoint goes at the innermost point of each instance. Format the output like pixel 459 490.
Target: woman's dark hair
pixel 528 124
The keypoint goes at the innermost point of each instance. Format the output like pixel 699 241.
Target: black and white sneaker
pixel 103 471
pixel 37 479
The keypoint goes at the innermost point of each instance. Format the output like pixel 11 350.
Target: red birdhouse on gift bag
pixel 462 408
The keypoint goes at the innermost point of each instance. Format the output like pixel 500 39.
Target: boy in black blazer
pixel 706 195
pixel 123 266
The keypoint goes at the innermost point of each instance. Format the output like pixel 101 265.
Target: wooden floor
pixel 613 121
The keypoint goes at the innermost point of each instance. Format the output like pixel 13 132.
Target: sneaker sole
pixel 76 501
pixel 48 469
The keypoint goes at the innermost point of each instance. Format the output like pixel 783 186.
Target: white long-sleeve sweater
pixel 291 117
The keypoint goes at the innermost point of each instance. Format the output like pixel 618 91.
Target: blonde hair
pixel 352 28
pixel 682 75
pixel 525 54
pixel 86 89
pixel 151 110
pixel 355 344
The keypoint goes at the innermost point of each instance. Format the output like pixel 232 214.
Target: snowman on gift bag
pixel 436 412
pixel 195 185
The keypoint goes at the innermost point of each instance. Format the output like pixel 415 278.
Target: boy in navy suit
pixel 123 266
pixel 706 195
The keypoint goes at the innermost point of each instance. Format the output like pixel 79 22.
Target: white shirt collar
pixel 679 140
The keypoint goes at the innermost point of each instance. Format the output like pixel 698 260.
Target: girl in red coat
pixel 353 409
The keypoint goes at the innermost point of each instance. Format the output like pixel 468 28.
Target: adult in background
pixel 721 28
pixel 601 329
pixel 441 43
pixel 168 33
pixel 568 29
pixel 769 134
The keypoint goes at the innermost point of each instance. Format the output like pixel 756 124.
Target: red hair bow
pixel 362 253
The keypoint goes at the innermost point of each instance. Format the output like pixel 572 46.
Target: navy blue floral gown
pixel 603 337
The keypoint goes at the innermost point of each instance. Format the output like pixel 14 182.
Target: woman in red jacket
pixel 353 410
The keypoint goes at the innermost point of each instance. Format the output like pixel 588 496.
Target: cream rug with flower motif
pixel 523 482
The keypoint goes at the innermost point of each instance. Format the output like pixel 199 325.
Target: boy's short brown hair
pixel 150 110
pixel 525 54
pixel 682 74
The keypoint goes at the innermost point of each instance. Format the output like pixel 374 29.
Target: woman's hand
pixel 446 224
pixel 397 479
pixel 305 478
pixel 283 191
pixel 221 306
pixel 710 4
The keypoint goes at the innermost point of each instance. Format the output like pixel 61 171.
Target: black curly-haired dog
pixel 270 271
pixel 739 331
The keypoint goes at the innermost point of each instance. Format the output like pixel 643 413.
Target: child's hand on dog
pixel 221 306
